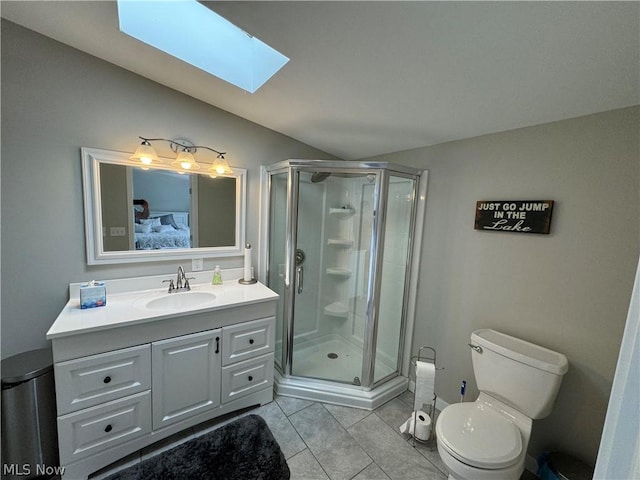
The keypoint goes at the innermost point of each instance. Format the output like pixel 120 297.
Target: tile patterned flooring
pixel 328 442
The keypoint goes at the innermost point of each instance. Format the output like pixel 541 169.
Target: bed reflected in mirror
pixel 134 214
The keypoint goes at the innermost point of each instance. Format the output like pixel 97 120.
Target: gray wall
pixel 568 291
pixel 165 191
pixel 55 100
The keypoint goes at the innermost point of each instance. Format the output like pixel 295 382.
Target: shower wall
pixel 311 206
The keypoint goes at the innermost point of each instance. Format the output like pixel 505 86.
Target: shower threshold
pixel 339 394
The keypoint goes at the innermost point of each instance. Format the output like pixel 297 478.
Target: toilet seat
pixel 478 436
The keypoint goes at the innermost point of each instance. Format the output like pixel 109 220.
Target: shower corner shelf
pixel 339 272
pixel 337 309
pixel 340 242
pixel 342 211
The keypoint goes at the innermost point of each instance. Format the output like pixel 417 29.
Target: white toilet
pixel 518 382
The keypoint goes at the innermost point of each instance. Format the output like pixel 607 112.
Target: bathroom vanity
pixel 150 364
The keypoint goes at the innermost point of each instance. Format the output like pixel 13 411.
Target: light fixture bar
pixel 185 161
pixel 181 144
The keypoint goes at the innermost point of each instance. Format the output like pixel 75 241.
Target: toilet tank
pixel 519 373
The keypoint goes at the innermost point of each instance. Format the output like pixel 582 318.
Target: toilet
pixel 518 383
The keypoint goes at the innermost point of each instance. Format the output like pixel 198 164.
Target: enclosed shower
pixel 343 240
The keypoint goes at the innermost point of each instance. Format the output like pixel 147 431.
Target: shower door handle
pixel 300 277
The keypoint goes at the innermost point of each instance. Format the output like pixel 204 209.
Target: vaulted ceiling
pixel 368 78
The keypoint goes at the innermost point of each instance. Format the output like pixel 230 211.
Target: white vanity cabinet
pixel 121 388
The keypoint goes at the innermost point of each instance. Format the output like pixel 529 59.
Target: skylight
pixel 191 32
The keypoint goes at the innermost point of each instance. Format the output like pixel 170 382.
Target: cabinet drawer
pixel 247 340
pixel 94 429
pixel 246 377
pixel 89 381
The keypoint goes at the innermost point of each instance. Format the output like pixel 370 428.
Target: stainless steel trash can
pixel 29 432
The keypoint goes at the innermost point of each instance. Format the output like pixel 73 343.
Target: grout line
pixel 303 440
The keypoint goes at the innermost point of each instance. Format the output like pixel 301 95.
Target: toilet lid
pixel 479 436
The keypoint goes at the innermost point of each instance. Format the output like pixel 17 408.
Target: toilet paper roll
pixel 418 425
pixel 248 276
pixel 425 384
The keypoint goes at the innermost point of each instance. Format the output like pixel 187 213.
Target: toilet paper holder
pixel 430 356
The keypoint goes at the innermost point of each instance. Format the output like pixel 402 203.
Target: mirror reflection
pixel 165 209
pixel 133 212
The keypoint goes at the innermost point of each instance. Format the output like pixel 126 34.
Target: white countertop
pixel 127 308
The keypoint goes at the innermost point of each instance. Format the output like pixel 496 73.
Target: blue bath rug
pixel 241 450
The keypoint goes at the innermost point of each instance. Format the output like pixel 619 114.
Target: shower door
pixel 333 245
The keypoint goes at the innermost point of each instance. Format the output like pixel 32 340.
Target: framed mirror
pixel 142 215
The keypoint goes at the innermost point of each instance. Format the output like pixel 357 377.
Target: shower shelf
pixel 336 309
pixel 342 211
pixel 340 242
pixel 339 272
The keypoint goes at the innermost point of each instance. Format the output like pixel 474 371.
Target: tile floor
pixel 328 442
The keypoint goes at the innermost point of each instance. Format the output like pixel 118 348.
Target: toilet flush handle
pixel 477 348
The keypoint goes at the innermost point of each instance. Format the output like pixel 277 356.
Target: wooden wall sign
pixel 520 216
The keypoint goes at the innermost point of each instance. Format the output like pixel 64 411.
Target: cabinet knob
pixel 107 379
pixel 250 378
pixel 251 341
pixel 108 428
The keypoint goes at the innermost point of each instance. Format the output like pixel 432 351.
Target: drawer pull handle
pixel 108 428
pixel 107 379
pixel 250 378
pixel 251 341
pixel 217 344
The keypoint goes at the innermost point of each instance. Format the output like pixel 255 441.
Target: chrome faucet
pixel 181 283
pixel 180 278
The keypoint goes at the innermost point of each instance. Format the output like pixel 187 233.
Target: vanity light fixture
pixel 219 167
pixel 145 153
pixel 185 161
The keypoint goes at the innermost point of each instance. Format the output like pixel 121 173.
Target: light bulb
pixel 185 161
pixel 145 154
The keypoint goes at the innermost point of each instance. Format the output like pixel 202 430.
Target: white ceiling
pixel 367 78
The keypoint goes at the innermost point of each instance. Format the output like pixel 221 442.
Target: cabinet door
pixel 186 376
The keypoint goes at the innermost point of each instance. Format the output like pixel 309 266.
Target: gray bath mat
pixel 241 450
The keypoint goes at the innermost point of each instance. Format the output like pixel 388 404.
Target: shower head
pixel 317 177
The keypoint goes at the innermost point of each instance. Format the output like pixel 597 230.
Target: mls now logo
pixel 19 470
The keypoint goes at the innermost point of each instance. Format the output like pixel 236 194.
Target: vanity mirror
pixel 136 215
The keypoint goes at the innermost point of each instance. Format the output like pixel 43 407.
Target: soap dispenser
pixel 217 276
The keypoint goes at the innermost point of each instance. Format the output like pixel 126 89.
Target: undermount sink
pixel 180 300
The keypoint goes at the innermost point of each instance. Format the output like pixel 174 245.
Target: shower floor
pixel 334 358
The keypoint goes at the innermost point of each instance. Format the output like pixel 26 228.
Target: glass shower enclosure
pixel 341 237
